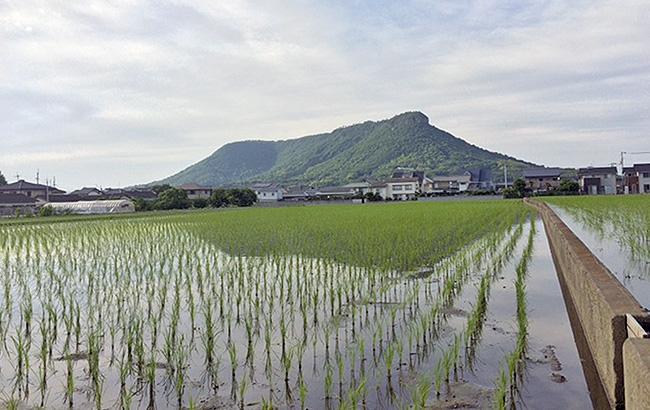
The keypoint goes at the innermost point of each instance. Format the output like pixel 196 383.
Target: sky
pixel 115 93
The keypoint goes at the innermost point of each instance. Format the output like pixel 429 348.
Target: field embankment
pixel 600 301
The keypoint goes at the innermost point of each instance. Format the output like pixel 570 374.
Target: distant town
pixel 24 198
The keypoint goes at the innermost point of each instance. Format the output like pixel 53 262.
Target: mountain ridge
pixel 371 149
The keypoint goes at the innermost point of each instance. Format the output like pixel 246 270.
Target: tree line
pixel 175 198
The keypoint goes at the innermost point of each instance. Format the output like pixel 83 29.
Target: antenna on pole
pixel 38 176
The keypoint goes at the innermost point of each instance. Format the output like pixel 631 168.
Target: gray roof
pixel 642 167
pixel 22 185
pixel 597 171
pixel 542 173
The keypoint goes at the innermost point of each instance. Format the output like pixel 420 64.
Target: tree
pixel 159 189
pixel 173 198
pixel 242 197
pixel 3 181
pixel 200 203
pixel 518 189
pixel 569 187
pixel 219 198
pixel 141 205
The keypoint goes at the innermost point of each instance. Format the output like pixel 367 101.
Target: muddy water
pixel 553 376
pixel 633 274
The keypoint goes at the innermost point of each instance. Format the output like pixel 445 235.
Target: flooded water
pixel 634 274
pixel 238 331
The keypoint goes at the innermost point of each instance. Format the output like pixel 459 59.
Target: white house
pixel 268 192
pixel 598 180
pixel 402 188
pixel 452 183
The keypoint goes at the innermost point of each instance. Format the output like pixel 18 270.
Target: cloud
pixel 105 92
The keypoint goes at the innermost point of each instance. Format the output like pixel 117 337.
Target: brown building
pixel 542 179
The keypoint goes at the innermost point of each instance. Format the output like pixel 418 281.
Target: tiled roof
pixel 597 171
pixel 542 172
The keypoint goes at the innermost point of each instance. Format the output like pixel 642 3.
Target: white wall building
pixel 598 180
pixel 402 188
pixel 268 192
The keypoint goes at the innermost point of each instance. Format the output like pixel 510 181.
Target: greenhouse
pixel 93 207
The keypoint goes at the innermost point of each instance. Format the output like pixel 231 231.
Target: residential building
pixel 379 188
pixel 643 175
pixel 17 204
pixel 425 184
pixel 402 188
pixel 195 191
pixel 451 184
pixel 598 180
pixel 133 194
pixel 88 192
pixel 336 192
pixel 629 181
pixel 361 188
pixel 268 192
pixel 480 180
pixel 542 179
pixel 29 189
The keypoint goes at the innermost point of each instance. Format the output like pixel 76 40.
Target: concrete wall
pixel 636 356
pixel 599 299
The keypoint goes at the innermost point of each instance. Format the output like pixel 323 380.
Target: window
pixel 646 175
pixel 646 188
pixel 408 186
pixel 397 187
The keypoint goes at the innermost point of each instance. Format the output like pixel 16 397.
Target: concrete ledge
pixel 636 356
pixel 600 300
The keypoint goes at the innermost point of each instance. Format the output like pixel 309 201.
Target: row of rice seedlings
pixel 511 373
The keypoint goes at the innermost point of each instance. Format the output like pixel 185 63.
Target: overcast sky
pixel 111 93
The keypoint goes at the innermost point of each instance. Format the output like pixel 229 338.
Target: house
pixel 268 192
pixel 195 191
pixel 361 188
pixel 379 188
pixel 401 188
pixel 17 204
pixel 542 179
pixel 425 184
pixel 629 181
pixel 451 184
pixel 598 180
pixel 88 192
pixel 29 189
pixel 336 192
pixel 643 176
pixel 118 206
pixel 480 180
pixel 133 194
pixel 60 198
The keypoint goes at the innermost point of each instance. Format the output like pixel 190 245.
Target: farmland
pixel 323 307
pixel 617 230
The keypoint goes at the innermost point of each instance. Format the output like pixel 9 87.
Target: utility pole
pixel 623 153
pixel 38 179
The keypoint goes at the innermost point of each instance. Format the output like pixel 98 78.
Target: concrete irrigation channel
pixel 614 324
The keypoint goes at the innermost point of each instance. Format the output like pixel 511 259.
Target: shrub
pixel 45 211
pixel 200 203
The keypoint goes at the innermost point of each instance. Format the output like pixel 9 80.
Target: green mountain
pixel 371 149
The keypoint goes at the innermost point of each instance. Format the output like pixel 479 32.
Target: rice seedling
pixel 121 294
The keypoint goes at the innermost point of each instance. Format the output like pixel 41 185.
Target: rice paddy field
pixel 414 305
pixel 617 231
